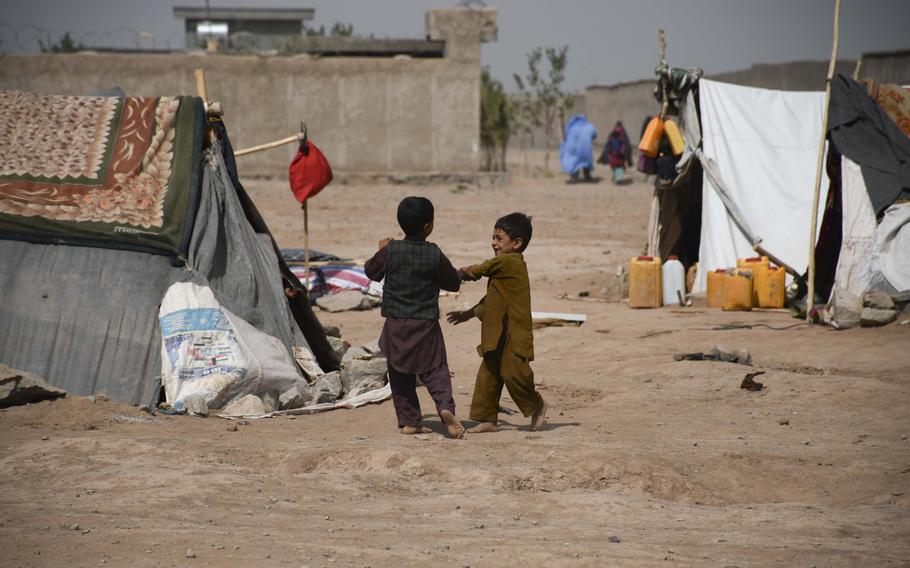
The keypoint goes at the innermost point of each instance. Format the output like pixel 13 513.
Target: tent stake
pixel 810 301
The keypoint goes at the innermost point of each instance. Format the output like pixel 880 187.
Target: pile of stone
pixel 363 369
pixel 879 309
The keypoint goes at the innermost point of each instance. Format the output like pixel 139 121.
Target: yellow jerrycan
pixel 771 290
pixel 645 282
pixel 737 295
pixel 650 140
pixel 677 144
pixel 759 267
pixel 716 281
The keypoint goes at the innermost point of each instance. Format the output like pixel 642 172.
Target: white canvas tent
pixel 758 149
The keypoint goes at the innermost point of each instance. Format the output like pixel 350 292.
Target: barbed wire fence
pixel 30 39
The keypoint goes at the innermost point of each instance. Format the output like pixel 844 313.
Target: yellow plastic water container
pixel 644 282
pixel 771 290
pixel 650 140
pixel 759 267
pixel 716 281
pixel 737 296
pixel 677 144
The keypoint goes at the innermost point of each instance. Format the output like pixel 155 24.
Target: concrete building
pixel 398 115
pixel 264 28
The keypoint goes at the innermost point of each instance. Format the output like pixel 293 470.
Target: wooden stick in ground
pixel 306 244
pixel 269 145
pixel 201 88
pixel 810 301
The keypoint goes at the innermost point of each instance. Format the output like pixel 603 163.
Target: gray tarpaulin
pixel 86 319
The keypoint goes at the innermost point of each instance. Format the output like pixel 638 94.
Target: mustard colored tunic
pixel 506 309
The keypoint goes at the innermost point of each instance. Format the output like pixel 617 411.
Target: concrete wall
pixel 628 102
pixel 891 67
pixel 388 115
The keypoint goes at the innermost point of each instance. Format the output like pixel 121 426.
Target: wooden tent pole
pixel 859 65
pixel 200 86
pixel 269 145
pixel 810 302
pixel 306 244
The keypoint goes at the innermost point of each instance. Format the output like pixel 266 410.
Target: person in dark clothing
pixel 414 271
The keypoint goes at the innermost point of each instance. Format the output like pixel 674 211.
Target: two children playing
pixel 414 271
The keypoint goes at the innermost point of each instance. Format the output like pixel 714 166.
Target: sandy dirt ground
pixel 644 461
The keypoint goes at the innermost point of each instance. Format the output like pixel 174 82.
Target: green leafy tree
pixel 342 30
pixel 65 45
pixel 495 121
pixel 541 101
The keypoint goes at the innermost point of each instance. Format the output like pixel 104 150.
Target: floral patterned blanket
pixel 103 171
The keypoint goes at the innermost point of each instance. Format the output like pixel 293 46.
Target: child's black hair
pixel 516 225
pixel 413 214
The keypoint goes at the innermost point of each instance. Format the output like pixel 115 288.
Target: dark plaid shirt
pixel 413 345
pixel 411 287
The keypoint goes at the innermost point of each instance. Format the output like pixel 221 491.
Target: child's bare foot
pixel 456 430
pixel 539 417
pixel 416 430
pixel 483 427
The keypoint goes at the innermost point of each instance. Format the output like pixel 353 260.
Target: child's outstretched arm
pixel 449 278
pixel 375 267
pixel 462 316
pixel 489 268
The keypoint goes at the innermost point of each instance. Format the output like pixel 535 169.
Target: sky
pixel 610 41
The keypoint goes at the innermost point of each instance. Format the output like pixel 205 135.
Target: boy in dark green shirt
pixel 506 340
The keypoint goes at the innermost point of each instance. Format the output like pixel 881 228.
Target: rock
pixel 372 348
pixel 190 553
pixel 332 331
pixel 614 539
pixel 878 299
pixel 338 345
pixel 18 387
pixel 345 300
pixel 297 396
pixel 873 317
pixel 327 387
pixel 363 375
pixel 270 401
pixel 249 405
pixel 355 353
pixel 196 404
pixel 783 422
pixel 584 294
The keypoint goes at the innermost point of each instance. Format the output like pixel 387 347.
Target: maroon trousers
pixel 404 393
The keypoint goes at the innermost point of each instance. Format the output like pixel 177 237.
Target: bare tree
pixel 541 101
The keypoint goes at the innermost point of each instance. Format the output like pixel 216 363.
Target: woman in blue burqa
pixel 576 152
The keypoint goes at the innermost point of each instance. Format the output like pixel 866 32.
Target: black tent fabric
pixel 861 130
pixel 300 305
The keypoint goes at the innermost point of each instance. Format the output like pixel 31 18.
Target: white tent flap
pixel 764 144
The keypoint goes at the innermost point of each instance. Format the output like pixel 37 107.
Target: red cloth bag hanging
pixel 309 171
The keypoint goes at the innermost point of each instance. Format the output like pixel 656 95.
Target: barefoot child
pixel 506 343
pixel 411 339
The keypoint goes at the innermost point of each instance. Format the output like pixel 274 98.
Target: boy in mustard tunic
pixel 506 341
